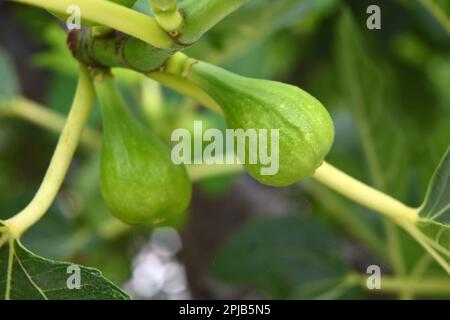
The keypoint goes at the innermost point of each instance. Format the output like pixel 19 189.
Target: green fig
pixel 305 128
pixel 139 182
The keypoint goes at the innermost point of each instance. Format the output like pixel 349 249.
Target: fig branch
pixel 188 22
pixel 112 15
pixel 364 195
pixel 115 49
pixel 202 15
pixel 60 162
pixel 167 14
pixel 141 44
pixel 146 52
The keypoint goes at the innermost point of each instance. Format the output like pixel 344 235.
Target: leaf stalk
pixel 60 162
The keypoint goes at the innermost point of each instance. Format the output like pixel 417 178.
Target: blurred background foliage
pixel 388 93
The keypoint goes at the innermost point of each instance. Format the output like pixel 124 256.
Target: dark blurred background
pixel 244 240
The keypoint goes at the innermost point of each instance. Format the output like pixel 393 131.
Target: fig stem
pixel 364 194
pixel 167 14
pixel 60 162
pixel 202 15
pixel 187 88
pixel 173 75
pixel 115 16
pixel 113 49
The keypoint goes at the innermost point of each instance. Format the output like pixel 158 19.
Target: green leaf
pixel 367 84
pixel 434 15
pixel 434 222
pixel 54 236
pixel 436 206
pixel 26 276
pixel 438 233
pixel 363 86
pixel 435 238
pixel 246 45
pixel 9 88
pixel 288 257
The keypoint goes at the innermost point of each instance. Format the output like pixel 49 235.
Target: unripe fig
pixel 306 130
pixel 139 182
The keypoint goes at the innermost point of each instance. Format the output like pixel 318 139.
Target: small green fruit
pixel 306 129
pixel 140 184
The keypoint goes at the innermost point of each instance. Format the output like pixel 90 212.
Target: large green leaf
pixel 436 206
pixel 26 276
pixel 287 257
pixel 431 125
pixel 438 236
pixel 363 87
pixel 434 214
pixel 365 90
pixel 383 128
pixel 254 46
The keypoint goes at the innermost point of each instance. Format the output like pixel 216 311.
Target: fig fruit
pixel 139 182
pixel 305 128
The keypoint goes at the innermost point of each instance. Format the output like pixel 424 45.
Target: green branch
pixel 112 50
pixel 60 162
pixel 112 15
pixel 167 14
pixel 365 195
pixel 202 15
pixel 186 88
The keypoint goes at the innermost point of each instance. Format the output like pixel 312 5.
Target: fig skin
pixel 139 182
pixel 306 130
